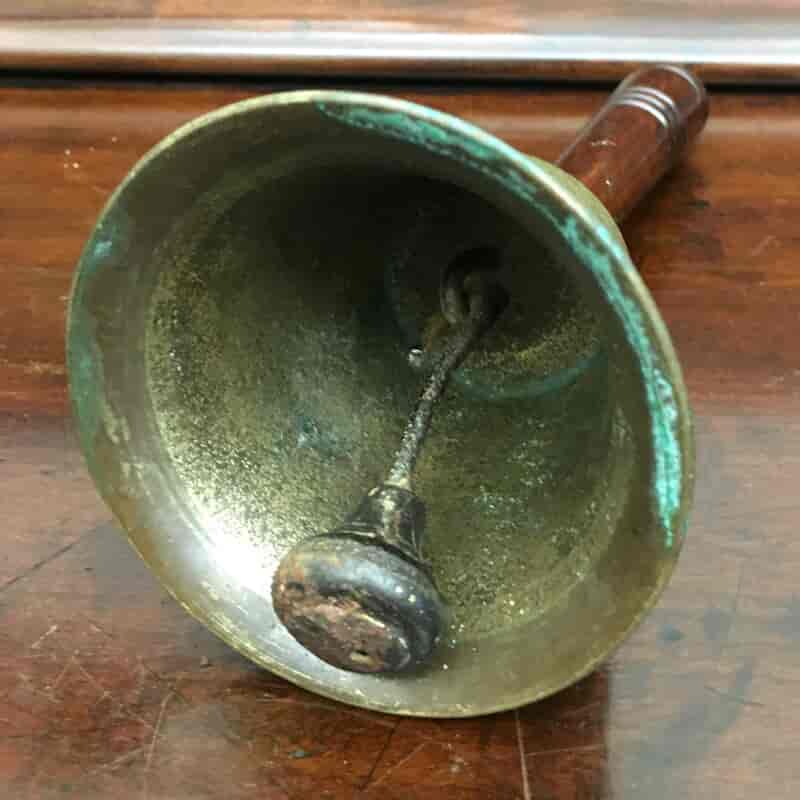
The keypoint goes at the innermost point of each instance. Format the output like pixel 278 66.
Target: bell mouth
pixel 238 348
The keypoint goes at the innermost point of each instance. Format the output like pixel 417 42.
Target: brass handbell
pixel 384 402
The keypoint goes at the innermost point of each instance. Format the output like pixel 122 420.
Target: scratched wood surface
pixel 108 689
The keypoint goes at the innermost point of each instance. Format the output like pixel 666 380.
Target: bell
pixel 382 401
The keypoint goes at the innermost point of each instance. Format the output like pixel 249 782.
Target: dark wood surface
pixel 498 15
pixel 109 690
pixel 727 41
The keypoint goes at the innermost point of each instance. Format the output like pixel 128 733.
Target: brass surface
pixel 238 350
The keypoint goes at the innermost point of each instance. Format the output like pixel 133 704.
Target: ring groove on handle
pixel 661 106
pixel 638 135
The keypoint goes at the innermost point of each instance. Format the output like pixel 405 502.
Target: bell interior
pixel 278 268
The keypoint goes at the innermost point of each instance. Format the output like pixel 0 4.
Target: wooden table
pixel 109 690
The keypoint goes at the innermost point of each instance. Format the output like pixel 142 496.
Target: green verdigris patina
pixel 238 373
pixel 84 354
pixel 605 256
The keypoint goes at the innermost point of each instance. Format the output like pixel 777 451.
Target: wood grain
pixel 108 689
pixel 76 9
pixel 498 15
pixel 642 131
pixel 737 41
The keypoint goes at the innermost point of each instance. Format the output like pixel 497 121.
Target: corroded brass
pixel 238 345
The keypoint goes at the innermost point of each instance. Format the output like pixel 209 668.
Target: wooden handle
pixel 637 136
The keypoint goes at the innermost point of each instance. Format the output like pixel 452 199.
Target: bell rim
pixel 601 249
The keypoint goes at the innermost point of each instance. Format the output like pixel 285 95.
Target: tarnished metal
pixel 361 597
pixel 238 345
pixel 381 612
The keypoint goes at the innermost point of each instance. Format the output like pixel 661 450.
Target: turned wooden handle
pixel 638 135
